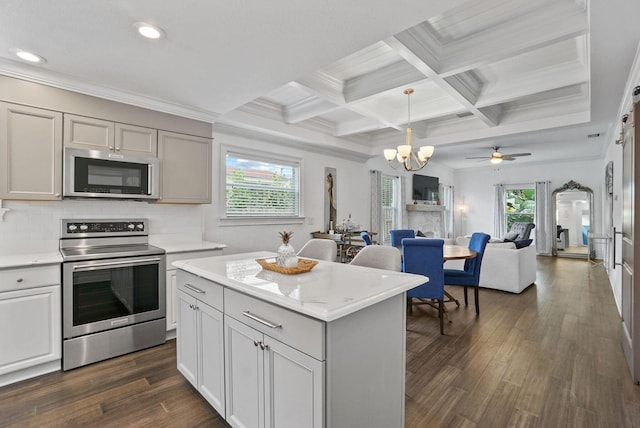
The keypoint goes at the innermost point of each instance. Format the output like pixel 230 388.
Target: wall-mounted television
pixel 425 188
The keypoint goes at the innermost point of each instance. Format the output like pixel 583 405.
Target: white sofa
pixel 503 266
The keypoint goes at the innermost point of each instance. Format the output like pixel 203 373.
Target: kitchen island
pixel 324 348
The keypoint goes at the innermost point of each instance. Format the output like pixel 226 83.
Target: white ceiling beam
pixel 559 113
pixel 505 90
pixel 459 88
pixel 356 126
pixel 392 76
pixel 324 86
pixel 306 109
pixel 557 22
pixel 254 117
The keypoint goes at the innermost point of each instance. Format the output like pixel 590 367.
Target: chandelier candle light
pixel 405 156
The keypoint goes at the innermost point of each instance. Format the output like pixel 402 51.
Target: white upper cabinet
pixel 30 153
pixel 97 134
pixel 185 168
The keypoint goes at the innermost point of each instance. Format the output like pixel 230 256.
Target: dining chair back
pixel 424 256
pixel 378 256
pixel 397 235
pixel 366 238
pixel 321 249
pixel 470 276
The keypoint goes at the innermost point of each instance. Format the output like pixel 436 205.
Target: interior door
pixel 630 284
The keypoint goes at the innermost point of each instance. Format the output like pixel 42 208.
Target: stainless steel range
pixel 113 290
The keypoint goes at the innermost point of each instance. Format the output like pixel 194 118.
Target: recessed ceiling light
pixel 28 56
pixel 148 30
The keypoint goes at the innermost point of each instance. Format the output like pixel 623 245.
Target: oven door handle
pixel 112 264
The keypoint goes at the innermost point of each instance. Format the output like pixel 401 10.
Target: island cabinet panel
pixel 296 330
pixel 269 383
pixel 172 284
pixel 30 153
pixel 200 343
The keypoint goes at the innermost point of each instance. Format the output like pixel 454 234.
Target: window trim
pixel 262 156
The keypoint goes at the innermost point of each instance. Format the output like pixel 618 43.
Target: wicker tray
pixel 304 265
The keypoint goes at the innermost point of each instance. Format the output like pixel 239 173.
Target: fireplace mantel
pixel 429 219
pixel 424 207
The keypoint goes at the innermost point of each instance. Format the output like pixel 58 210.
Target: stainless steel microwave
pixel 99 174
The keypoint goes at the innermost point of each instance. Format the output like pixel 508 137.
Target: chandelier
pixel 405 156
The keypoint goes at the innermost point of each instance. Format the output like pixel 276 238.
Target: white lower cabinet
pixel 200 348
pixel 171 288
pixel 268 383
pixel 30 325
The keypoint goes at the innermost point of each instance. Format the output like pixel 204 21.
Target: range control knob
pixel 131 226
pixel 84 227
pixel 72 227
pixel 140 226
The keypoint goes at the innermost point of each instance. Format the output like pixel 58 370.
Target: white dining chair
pixel 320 249
pixel 379 256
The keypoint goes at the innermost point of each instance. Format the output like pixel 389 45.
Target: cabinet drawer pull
pixel 19 280
pixel 196 289
pixel 261 320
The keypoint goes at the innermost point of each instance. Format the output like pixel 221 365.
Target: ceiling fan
pixel 497 157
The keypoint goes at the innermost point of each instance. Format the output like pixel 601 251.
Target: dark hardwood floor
pixel 549 357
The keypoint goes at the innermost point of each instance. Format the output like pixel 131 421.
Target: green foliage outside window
pixel 520 206
pixel 258 188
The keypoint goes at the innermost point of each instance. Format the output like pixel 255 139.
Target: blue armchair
pixel 425 257
pixel 397 235
pixel 470 276
pixel 366 238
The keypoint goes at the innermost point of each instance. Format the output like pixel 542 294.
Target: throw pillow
pixel 511 236
pixel 420 234
pixel 523 243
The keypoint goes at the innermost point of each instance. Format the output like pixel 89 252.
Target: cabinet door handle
pixel 110 147
pixel 261 320
pixel 19 280
pixel 255 343
pixel 196 289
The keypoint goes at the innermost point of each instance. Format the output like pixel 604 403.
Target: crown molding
pixel 68 84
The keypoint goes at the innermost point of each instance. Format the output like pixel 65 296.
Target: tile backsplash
pixel 34 227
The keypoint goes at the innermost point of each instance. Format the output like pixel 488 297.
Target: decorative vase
pixel 286 256
pixel 286 253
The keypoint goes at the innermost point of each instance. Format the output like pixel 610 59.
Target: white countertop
pixel 30 259
pixel 330 291
pixel 187 246
pixel 53 257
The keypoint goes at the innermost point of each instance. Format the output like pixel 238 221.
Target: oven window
pixel 116 292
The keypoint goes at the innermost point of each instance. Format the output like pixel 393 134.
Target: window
pixel 390 204
pixel 520 205
pixel 257 186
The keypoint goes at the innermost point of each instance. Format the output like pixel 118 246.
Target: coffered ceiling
pixel 528 76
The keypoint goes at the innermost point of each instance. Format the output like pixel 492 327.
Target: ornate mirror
pixel 572 214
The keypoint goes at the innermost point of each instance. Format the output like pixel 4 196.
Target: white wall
pixel 351 191
pixel 34 227
pixel 475 197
